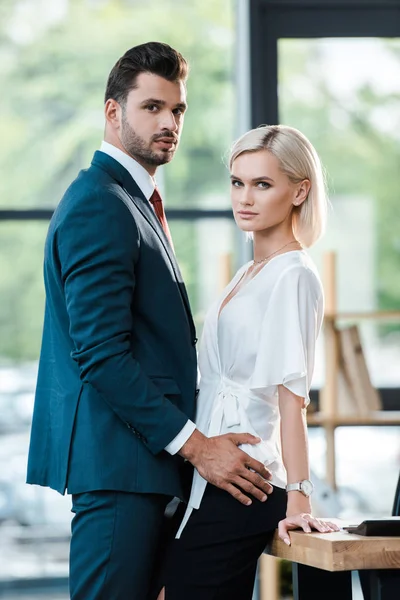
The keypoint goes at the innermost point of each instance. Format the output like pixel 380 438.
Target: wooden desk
pixel 322 564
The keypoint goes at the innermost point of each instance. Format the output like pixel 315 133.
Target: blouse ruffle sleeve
pixel 288 334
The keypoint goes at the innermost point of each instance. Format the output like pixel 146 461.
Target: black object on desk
pixel 388 527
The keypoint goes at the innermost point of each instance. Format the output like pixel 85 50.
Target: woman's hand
pixel 306 522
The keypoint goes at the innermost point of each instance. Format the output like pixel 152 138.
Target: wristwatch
pixel 305 487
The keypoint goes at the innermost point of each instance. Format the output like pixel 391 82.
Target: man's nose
pixel 169 121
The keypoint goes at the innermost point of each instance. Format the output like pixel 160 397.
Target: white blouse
pixel 263 337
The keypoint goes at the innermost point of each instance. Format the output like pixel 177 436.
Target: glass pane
pixel 361 453
pixel 351 113
pixel 56 57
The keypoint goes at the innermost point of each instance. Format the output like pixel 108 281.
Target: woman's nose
pixel 246 198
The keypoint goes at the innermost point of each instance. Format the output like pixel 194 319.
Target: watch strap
pixel 294 487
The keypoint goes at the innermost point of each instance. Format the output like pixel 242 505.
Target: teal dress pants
pixel 115 545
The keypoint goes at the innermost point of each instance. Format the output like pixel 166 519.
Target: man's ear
pixel 113 113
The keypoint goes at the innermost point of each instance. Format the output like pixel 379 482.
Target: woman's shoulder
pixel 297 268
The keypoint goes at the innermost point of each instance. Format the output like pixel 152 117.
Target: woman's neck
pixel 276 243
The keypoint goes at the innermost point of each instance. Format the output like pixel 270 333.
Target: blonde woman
pixel 256 362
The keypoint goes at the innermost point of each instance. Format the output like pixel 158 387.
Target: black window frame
pixel 271 20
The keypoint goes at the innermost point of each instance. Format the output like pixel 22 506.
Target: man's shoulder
pixel 90 181
pixel 93 186
pixel 94 196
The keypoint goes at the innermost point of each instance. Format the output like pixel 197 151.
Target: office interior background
pixel 329 68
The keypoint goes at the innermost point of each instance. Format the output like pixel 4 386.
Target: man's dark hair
pixel 153 57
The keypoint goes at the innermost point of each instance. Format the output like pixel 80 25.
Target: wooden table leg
pixel 310 583
pixel 269 577
pixel 384 584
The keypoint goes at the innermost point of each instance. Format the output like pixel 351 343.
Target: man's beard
pixel 136 146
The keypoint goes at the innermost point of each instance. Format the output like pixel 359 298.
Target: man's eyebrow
pixel 181 105
pixel 154 101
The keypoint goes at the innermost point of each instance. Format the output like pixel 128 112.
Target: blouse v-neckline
pixel 222 306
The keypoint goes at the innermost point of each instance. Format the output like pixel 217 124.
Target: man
pixel 117 375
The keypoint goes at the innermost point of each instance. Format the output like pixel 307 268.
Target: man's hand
pixel 222 463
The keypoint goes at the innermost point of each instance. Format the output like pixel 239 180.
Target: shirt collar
pixel 142 178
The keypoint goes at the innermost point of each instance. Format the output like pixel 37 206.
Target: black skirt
pixel 216 556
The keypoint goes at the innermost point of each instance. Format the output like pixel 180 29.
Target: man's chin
pixel 165 156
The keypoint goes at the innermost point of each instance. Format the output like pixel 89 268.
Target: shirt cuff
pixel 181 439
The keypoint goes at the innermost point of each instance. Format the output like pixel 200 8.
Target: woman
pixel 256 362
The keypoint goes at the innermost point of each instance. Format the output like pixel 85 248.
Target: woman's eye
pixel 236 183
pixel 263 185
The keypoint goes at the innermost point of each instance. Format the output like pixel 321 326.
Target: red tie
pixel 157 202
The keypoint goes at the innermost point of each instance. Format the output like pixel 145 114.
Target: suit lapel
pixel 121 175
pixel 149 215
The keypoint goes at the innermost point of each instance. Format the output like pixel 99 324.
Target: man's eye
pixel 152 107
pixel 178 111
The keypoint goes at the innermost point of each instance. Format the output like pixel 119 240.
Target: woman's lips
pixel 245 214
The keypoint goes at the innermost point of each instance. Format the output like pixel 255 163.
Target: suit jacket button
pixel 195 341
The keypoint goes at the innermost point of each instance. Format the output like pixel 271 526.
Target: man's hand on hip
pixel 222 463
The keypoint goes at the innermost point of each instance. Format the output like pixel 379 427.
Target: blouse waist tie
pixel 231 402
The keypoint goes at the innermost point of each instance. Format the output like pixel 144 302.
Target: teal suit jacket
pixel 117 371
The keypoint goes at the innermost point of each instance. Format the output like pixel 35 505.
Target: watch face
pixel 307 487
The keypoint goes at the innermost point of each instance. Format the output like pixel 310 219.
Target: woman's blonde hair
pixel 298 160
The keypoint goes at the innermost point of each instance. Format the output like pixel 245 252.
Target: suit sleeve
pixel 98 246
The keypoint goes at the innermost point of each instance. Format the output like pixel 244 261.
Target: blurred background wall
pixel 331 69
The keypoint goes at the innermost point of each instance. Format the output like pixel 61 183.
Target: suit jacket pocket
pixel 166 385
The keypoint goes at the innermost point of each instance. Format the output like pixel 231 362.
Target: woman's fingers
pixel 333 526
pixel 306 522
pixel 318 525
pixel 324 526
pixel 294 522
pixel 283 528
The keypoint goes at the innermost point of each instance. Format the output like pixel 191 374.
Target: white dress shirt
pixel 147 184
pixel 263 337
